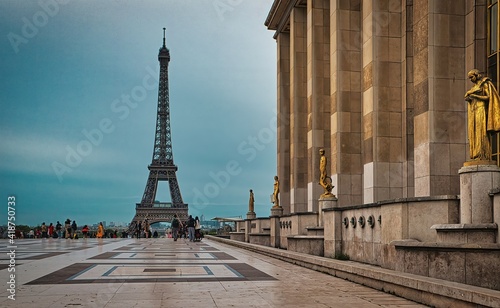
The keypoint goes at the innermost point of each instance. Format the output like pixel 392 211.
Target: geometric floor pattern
pixel 118 272
pixel 163 273
pixel 153 261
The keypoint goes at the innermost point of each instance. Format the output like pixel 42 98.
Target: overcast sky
pixel 78 90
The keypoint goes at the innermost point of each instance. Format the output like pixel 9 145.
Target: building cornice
pixel 279 16
pixel 272 14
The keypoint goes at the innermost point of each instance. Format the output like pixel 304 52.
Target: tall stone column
pixel 345 96
pixel 382 96
pixel 439 75
pixel 318 98
pixel 283 109
pixel 407 101
pixel 298 111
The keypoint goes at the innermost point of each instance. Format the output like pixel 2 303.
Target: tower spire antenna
pixel 164 37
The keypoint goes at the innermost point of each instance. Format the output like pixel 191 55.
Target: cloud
pixel 35 154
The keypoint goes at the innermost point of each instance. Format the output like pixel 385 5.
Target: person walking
pixel 138 229
pixel 190 225
pixel 58 229
pixel 73 230
pixel 197 229
pixel 100 230
pixel 176 224
pixel 67 228
pixel 44 230
pixel 146 228
pixel 85 231
pixel 50 230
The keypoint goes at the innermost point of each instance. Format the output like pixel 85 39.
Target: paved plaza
pixel 163 273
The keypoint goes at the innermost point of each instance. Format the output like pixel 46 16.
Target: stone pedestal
pixel 331 221
pixel 476 181
pixel 276 211
pixel 248 229
pixel 251 215
pixel 325 203
pixel 248 225
pixel 275 238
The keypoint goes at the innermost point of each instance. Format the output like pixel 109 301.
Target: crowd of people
pixel 69 230
pixel 191 228
pixel 188 229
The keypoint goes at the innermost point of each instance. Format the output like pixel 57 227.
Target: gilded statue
pixel 251 203
pixel 324 180
pixel 483 111
pixel 276 192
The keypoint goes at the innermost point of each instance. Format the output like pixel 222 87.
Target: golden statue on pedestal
pixel 276 191
pixel 251 203
pixel 483 111
pixel 324 180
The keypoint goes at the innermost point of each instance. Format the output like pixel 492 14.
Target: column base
pixel 477 179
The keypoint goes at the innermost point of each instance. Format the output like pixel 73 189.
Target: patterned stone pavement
pixel 164 273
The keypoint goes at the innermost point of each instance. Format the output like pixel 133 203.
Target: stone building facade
pixel 378 84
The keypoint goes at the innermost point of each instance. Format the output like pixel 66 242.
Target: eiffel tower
pixel 162 167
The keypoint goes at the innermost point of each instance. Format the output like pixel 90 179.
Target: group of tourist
pixel 58 230
pixel 191 228
pixel 68 230
pixel 142 229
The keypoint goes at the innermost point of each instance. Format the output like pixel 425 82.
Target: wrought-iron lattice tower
pixel 162 167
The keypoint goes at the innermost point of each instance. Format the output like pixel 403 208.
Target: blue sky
pixel 78 90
